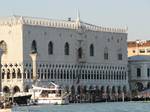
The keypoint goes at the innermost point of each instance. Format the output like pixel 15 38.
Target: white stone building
pixel 139 72
pixel 72 53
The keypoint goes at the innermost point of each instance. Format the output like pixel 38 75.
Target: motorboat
pixel 51 94
pixel 20 98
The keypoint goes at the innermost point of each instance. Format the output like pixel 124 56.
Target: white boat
pixel 52 94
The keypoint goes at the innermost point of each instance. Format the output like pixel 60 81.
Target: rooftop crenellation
pixel 72 24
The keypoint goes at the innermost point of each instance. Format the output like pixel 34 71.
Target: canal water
pixel 89 107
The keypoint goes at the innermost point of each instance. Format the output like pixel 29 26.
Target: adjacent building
pixel 139 72
pixel 139 64
pixel 77 55
pixel 138 47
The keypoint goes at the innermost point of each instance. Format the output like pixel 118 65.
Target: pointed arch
pixel 106 54
pixel 50 48
pixel 66 48
pixel 119 54
pixel 8 74
pixel 16 89
pixel 18 73
pixel 13 73
pixel 91 50
pixel 6 89
pixel 33 47
pixel 80 52
pixel 3 46
pixel 3 73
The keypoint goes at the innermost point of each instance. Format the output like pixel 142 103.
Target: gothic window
pixel 48 74
pixel 61 74
pixel 58 73
pixel 51 74
pixel 13 73
pixel 92 75
pixel 80 52
pixel 64 74
pixel 100 75
pixel 55 74
pixel 91 50
pixel 28 74
pixel 106 54
pixel 119 54
pixel 45 74
pixel 66 48
pixel 86 74
pixel 74 74
pixel 70 74
pixel 18 74
pixel 67 74
pixel 33 47
pixel 24 75
pixel 50 48
pixel 8 74
pixel 148 72
pixel 138 72
pixel 3 46
pixel 3 74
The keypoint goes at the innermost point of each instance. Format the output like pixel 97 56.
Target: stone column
pixel 1 52
pixel 34 65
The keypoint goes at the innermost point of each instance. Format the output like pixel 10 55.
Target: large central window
pixel 106 56
pixel 66 48
pixel 80 52
pixel 50 48
pixel 33 47
pixel 91 50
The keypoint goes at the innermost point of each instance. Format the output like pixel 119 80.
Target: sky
pixel 135 14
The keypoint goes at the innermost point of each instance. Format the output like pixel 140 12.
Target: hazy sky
pixel 112 13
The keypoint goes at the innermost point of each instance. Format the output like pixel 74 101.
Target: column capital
pixel 33 56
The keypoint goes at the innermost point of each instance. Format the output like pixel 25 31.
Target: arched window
pixel 80 52
pixel 119 54
pixel 106 54
pixel 13 73
pixel 91 50
pixel 8 74
pixel 66 48
pixel 33 47
pixel 50 48
pixel 18 74
pixel 3 73
pixel 3 46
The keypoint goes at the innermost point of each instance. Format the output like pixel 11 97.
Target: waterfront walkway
pixel 5 110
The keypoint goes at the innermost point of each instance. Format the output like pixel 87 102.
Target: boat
pixel 20 98
pixel 51 94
